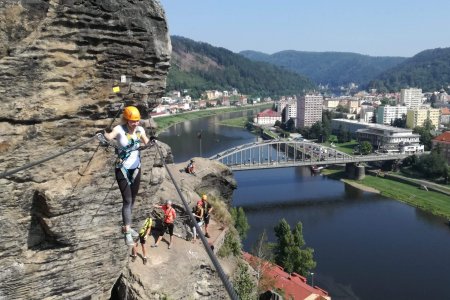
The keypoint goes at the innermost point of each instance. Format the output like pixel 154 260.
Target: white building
pixel 411 98
pixel 366 113
pixel 387 113
pixel 309 110
pixel 290 111
pixel 267 117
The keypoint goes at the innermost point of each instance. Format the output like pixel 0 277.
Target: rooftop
pixel 293 285
pixel 444 137
pixel 375 126
pixel 268 113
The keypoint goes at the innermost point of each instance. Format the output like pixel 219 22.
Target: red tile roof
pixel 268 113
pixel 445 111
pixel 293 285
pixel 444 137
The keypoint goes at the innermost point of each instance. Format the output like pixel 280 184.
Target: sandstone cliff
pixel 59 222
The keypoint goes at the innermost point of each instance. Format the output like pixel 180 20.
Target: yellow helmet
pixel 204 197
pixel 131 113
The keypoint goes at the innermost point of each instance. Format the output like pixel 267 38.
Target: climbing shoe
pixel 133 258
pixel 128 238
pixel 207 235
pixel 134 234
pixel 145 260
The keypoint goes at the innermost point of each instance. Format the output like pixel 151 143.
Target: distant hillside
pixel 334 68
pixel 199 66
pixel 429 70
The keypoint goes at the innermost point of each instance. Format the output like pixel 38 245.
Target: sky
pixel 375 27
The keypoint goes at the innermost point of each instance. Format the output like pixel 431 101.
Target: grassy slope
pixel 166 122
pixel 436 203
pixel 236 122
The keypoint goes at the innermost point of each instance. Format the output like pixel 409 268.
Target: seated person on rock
pixel 190 167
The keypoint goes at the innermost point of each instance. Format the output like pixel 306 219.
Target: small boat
pixel 316 169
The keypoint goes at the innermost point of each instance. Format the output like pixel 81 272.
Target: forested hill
pixel 429 70
pixel 334 68
pixel 199 66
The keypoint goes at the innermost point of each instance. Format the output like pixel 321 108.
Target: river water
pixel 366 246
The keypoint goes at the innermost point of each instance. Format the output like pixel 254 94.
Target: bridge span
pixel 282 154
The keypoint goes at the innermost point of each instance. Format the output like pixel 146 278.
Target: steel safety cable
pixel 38 162
pixel 228 286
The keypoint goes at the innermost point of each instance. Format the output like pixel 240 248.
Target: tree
pixel 243 283
pixel 290 125
pixel 425 133
pixel 365 148
pixel 432 166
pixel 400 122
pixel 240 221
pixel 290 251
pixel 342 109
pixel 316 130
pixel 263 250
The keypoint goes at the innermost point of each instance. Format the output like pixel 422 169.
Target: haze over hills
pixel 333 68
pixel 429 70
pixel 198 66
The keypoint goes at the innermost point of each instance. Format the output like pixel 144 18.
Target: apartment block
pixel 387 113
pixel 411 98
pixel 416 117
pixel 290 111
pixel 309 110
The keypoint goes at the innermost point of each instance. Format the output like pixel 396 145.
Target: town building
pixel 330 103
pixel 290 111
pixel 386 114
pixel 213 94
pixel 445 116
pixel 382 137
pixel 443 142
pixel 417 116
pixel 353 106
pixel 442 97
pixel 293 285
pixel 366 113
pixel 389 138
pixel 411 98
pixel 309 110
pixel 267 117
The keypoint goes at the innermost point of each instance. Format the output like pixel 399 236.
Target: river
pixel 366 246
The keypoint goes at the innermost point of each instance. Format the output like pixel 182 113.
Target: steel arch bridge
pixel 281 154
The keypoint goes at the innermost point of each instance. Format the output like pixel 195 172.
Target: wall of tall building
pixel 411 98
pixel 309 110
pixel 416 117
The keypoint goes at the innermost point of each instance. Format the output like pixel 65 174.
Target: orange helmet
pixel 131 113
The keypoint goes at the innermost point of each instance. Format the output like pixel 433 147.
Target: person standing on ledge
pixel 129 136
pixel 207 208
pixel 169 218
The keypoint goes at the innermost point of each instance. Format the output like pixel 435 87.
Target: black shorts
pixel 167 226
pixel 142 240
pixel 206 218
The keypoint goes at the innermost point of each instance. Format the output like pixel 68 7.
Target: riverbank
pixel 235 122
pixel 433 202
pixel 168 121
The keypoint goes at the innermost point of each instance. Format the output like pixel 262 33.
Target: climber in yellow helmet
pixel 129 135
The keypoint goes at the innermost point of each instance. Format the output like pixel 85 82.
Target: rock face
pixel 60 221
pixel 60 59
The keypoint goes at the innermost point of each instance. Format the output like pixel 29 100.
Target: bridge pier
pixel 355 171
